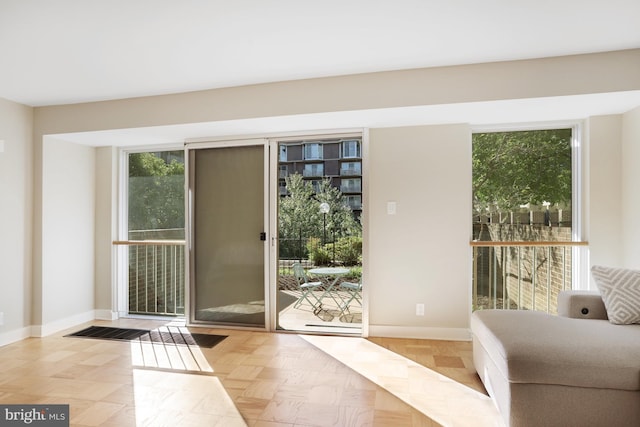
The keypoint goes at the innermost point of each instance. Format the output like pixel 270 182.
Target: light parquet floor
pixel 250 378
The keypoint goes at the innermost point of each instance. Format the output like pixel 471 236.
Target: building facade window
pixel 313 169
pixel 351 149
pixel 351 168
pixel 283 171
pixel 352 185
pixel 313 151
pixel 354 202
pixel 316 184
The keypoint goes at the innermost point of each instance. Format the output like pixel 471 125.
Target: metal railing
pixel 156 276
pixel 521 275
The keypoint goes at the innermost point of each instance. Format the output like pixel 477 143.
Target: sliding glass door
pixel 319 251
pixel 228 241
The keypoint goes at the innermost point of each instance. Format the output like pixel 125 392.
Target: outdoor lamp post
pixel 324 210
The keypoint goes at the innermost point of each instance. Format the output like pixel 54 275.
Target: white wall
pixel 68 235
pixel 421 254
pixel 631 188
pixel 16 171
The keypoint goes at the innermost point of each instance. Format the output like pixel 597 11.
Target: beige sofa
pixel 574 369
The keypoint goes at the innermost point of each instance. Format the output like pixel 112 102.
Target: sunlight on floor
pixel 180 399
pixel 329 319
pixel 440 398
pixel 169 356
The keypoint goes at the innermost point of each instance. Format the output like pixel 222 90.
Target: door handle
pixel 263 236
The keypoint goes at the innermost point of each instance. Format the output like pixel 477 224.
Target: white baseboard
pixel 448 334
pixel 106 315
pixel 62 324
pixel 15 335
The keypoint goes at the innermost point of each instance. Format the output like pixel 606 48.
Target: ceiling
pixel 70 51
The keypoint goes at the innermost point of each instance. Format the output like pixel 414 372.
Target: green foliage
pixel 354 274
pixel 349 250
pixel 515 168
pixel 156 191
pixel 319 254
pixel 299 214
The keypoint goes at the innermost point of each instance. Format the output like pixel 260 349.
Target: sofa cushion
pixel 620 289
pixel 539 348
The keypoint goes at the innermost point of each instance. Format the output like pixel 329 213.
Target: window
pixel 350 168
pixel 317 185
pixel 156 195
pixel 313 169
pixel 353 185
pixel 523 191
pixel 525 173
pixel 283 171
pixel 313 151
pixel 351 149
pixel 155 211
pixel 354 202
pixel 283 153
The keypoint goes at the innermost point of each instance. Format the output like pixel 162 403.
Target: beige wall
pixel 16 172
pixel 603 187
pixel 421 254
pixel 106 231
pixel 630 188
pixel 440 287
pixel 559 76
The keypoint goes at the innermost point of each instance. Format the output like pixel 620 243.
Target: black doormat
pixel 153 336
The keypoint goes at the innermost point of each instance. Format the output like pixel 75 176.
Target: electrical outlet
pixel 419 309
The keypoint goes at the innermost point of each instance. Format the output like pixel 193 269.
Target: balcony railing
pixel 156 276
pixel 521 275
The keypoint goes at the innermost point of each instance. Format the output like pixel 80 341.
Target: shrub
pixel 349 250
pixel 318 253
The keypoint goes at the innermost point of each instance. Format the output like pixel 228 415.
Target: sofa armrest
pixel 581 305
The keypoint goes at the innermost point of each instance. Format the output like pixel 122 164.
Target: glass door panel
pixel 228 251
pixel 319 253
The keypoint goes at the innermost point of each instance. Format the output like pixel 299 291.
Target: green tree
pixel 299 213
pixel 515 168
pixel 156 191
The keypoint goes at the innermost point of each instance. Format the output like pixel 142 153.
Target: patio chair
pixel 307 288
pixel 353 290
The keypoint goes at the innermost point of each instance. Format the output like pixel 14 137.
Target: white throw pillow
pixel 620 289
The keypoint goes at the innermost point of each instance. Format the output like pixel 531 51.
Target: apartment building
pixel 338 160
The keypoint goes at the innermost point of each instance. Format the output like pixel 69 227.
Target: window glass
pixel 156 195
pixel 351 185
pixel 313 151
pixel 523 178
pixel 350 168
pixel 522 193
pixel 313 169
pixel 350 149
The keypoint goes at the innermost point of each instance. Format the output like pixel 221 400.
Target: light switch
pixel 391 208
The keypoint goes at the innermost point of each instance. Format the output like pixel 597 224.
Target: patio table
pixel 336 273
